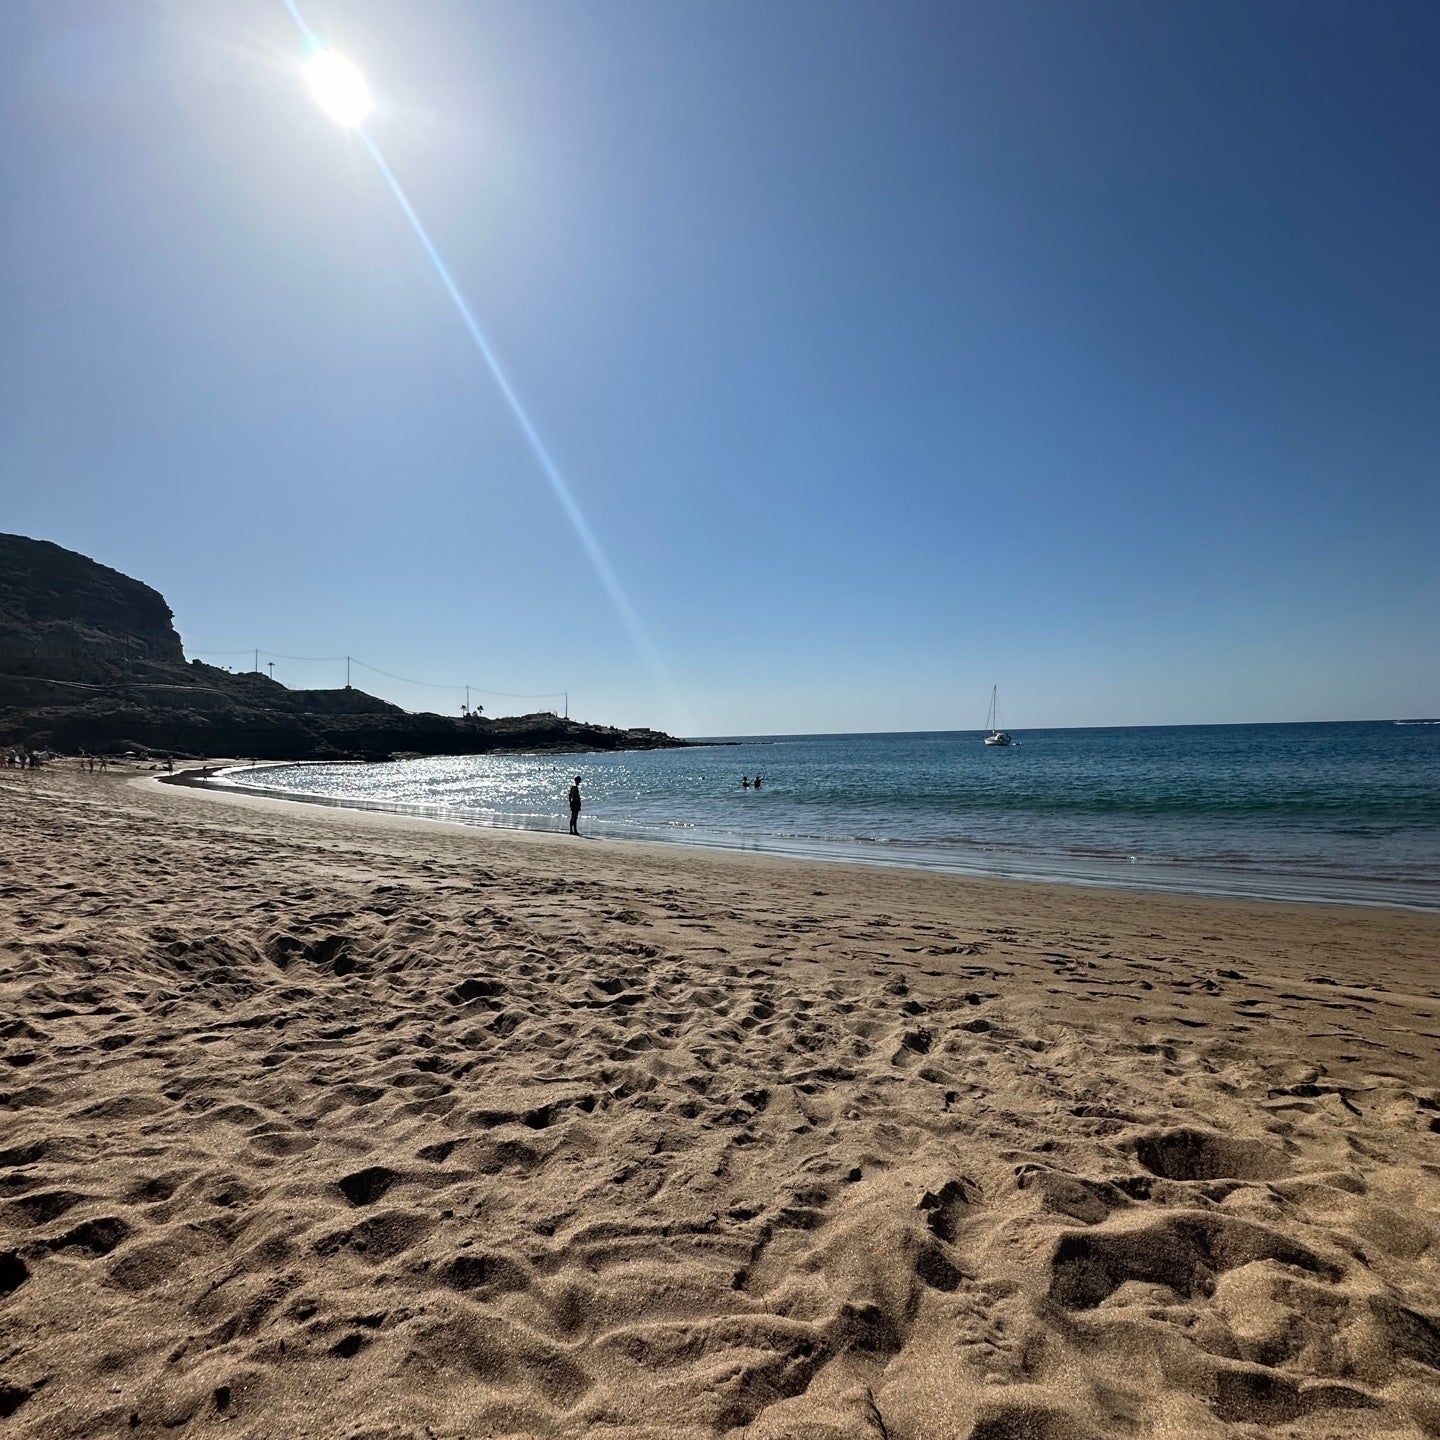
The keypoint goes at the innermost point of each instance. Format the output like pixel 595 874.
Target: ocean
pixel 1338 812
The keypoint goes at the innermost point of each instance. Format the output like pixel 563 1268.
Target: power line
pixel 389 674
pixel 424 684
pixel 310 659
pixel 432 685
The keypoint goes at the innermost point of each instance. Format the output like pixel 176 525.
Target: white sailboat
pixel 994 734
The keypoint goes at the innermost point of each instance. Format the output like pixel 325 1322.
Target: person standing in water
pixel 575 807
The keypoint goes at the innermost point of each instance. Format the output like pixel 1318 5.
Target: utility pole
pixel 347 672
pixel 567 704
pixel 257 662
pixel 467 699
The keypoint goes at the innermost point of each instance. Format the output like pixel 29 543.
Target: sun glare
pixel 339 88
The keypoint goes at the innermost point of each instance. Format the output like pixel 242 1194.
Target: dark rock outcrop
pixel 90 659
pixel 67 617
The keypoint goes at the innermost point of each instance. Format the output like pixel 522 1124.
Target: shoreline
pixel 1087 873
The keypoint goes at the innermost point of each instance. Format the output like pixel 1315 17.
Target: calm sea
pixel 1318 812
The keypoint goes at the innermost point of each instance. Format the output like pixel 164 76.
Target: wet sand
pixel 321 1123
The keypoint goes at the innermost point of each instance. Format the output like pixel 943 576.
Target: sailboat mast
pixel 995 735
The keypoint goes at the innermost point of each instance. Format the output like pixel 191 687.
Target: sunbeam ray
pixel 563 493
pixel 589 541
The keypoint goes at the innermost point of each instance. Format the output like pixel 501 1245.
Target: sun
pixel 339 88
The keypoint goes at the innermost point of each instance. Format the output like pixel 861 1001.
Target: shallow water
pixel 1330 811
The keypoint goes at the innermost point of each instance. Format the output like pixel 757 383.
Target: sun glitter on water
pixel 339 88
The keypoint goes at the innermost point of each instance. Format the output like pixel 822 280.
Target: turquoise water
pixel 1335 812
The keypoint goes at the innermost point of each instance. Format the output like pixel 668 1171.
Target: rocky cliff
pixel 68 617
pixel 90 659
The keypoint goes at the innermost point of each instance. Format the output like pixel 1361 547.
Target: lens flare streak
pixel 563 494
pixel 589 541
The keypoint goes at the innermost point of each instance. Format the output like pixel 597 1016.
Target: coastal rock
pixel 90 659
pixel 68 617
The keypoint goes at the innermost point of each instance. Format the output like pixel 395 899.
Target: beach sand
pixel 330 1124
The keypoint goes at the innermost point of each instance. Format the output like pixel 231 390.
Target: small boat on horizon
pixel 995 735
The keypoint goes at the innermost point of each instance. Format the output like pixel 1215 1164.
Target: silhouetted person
pixel 745 782
pixel 575 807
pixel 758 780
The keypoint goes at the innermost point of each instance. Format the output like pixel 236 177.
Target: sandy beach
pixel 319 1123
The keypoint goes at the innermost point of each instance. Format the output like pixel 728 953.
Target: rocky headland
pixel 90 659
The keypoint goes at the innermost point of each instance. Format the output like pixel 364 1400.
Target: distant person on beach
pixel 575 807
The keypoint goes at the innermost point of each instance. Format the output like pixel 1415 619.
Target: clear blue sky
pixel 892 350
